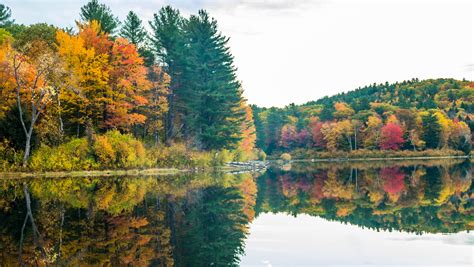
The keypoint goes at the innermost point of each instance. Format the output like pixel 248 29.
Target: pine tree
pixel 93 10
pixel 133 30
pixel 216 116
pixel 135 33
pixel 5 14
pixel 431 130
pixel 169 45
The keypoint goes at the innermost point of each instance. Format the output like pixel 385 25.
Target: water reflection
pixel 202 219
pixel 419 197
pixel 159 221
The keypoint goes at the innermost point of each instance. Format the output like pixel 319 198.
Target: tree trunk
pixel 26 156
pixel 169 120
pixel 156 137
pixel 355 138
pixel 350 143
pixel 61 124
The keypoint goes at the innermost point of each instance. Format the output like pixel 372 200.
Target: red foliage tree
pixel 303 138
pixel 391 136
pixel 318 137
pixel 288 136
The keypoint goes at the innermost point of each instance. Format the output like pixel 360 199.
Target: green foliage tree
pixel 215 114
pixel 133 30
pixel 5 14
pixel 40 32
pixel 168 42
pixel 93 10
pixel 431 130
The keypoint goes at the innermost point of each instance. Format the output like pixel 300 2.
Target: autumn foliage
pixel 391 136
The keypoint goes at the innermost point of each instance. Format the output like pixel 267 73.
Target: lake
pixel 416 213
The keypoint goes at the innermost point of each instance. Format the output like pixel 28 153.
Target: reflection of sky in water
pixel 283 240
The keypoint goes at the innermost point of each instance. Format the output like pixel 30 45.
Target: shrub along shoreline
pixel 364 154
pixel 116 151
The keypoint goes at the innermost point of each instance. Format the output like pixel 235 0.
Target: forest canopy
pixel 411 115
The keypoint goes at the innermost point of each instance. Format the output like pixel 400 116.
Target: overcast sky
pixel 294 51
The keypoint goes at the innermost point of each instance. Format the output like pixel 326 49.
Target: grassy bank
pixel 114 151
pixel 362 154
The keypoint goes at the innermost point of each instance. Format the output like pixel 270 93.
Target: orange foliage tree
pixel 31 76
pixel 247 143
pixel 108 76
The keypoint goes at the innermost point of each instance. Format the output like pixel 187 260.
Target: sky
pixel 285 240
pixel 295 51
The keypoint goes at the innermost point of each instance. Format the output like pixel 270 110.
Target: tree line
pixel 176 83
pixel 412 115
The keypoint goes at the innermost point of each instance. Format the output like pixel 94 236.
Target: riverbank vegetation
pixel 114 150
pixel 305 154
pixel 411 118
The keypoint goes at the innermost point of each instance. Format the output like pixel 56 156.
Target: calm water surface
pixel 339 214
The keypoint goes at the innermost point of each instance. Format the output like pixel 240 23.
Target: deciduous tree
pixel 33 90
pixel 391 136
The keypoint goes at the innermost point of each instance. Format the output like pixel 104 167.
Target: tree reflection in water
pixel 202 219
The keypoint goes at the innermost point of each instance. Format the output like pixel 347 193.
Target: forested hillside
pixel 63 90
pixel 411 115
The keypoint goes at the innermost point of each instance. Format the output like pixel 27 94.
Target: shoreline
pixel 339 159
pixel 94 173
pixel 233 167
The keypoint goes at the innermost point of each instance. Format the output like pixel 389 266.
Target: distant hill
pixel 446 94
pixel 406 103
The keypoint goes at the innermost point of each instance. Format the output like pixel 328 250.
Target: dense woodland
pixel 412 115
pixel 108 91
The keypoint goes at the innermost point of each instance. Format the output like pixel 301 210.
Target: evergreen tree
pixel 259 127
pixel 169 45
pixel 431 130
pixel 5 14
pixel 135 33
pixel 133 30
pixel 215 113
pixel 327 112
pixel 93 10
pixel 275 121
